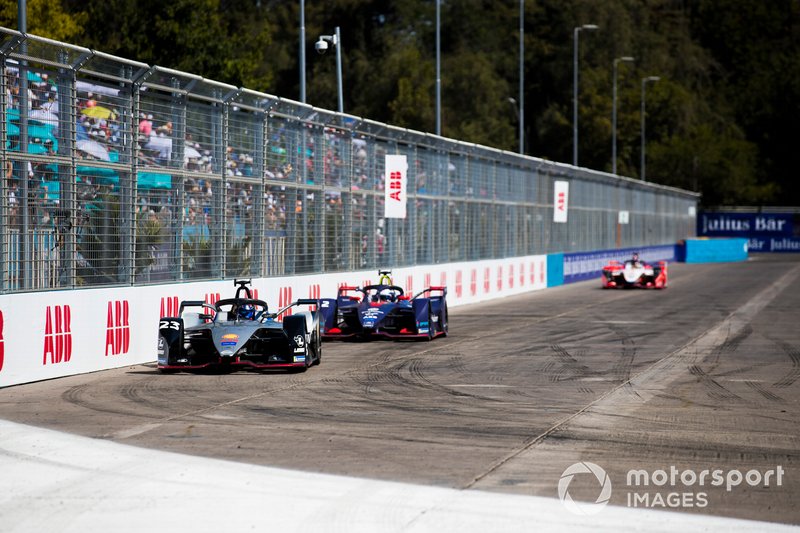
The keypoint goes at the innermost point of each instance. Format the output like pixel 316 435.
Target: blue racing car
pixel 384 310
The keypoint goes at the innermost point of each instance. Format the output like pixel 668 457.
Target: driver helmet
pixel 635 257
pixel 387 296
pixel 246 312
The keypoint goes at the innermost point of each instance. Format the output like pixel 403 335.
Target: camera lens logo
pixel 584 508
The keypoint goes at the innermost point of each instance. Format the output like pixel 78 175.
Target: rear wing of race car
pixel 430 290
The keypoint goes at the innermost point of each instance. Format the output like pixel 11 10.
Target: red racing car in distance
pixel 634 273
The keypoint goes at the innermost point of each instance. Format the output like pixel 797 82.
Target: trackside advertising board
pixel 560 201
pixel 53 334
pixel 766 232
pixel 396 181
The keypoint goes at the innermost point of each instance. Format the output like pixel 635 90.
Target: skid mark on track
pixel 760 389
pixel 567 366
pixel 715 390
pixel 660 374
pixel 731 343
pixel 794 373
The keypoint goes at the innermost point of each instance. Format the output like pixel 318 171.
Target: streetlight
pixel 576 31
pixel 645 81
pixel 321 46
pixel 438 69
pixel 614 115
pixel 303 51
pixel 521 118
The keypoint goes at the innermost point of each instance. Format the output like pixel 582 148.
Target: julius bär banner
pixel 396 179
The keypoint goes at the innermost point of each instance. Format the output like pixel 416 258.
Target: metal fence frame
pixel 195 179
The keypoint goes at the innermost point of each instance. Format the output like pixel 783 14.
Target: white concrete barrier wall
pixel 53 334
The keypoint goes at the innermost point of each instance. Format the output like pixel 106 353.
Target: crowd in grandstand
pixel 100 139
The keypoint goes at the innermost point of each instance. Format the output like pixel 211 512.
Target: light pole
pixel 303 51
pixel 521 117
pixel 438 69
pixel 321 46
pixel 576 32
pixel 614 115
pixel 645 81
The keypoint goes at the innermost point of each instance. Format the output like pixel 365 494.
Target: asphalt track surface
pixel 702 376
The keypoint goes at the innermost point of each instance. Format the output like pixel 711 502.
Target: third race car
pixel 634 273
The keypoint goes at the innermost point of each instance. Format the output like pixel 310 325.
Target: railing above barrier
pixel 145 174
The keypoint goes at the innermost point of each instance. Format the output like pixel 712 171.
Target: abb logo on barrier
pixel 211 298
pixel 486 279
pixel 118 329
pixel 521 274
pixel 533 273
pixel 510 276
pixel 542 271
pixel 169 306
pixel 473 282
pixel 57 334
pixel 443 279
pixel 500 278
pixel 314 293
pixel 427 280
pixel 2 346
pixel 458 284
pixel 284 299
pixel 410 284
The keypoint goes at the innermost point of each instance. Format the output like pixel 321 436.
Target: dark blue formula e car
pixel 384 310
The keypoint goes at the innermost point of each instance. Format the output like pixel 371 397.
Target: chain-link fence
pixel 119 173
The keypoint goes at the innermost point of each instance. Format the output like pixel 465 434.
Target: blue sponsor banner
pixel 769 244
pixel 762 225
pixel 713 250
pixel 581 266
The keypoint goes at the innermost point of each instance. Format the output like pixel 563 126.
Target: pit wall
pixel 54 334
